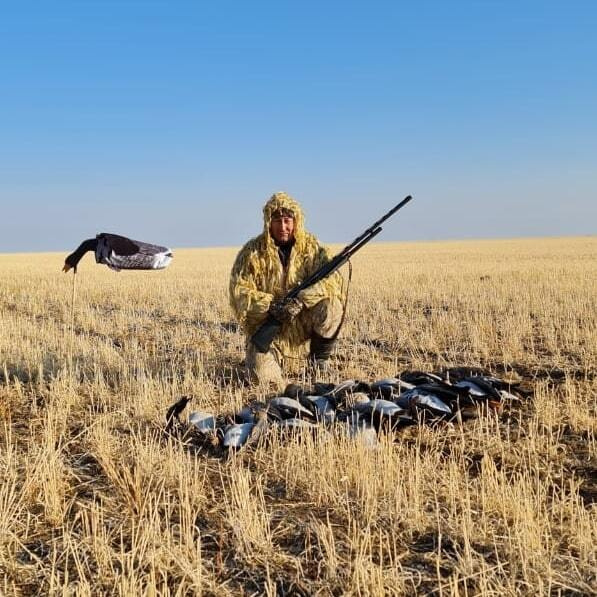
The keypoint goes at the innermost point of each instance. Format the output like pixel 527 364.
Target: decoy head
pixel 67 267
pixel 71 262
pixel 73 259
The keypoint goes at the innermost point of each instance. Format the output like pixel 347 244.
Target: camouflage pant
pixel 323 319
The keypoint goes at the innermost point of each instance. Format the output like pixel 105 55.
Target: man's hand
pixel 285 311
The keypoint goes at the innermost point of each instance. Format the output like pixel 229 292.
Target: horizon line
pixel 379 242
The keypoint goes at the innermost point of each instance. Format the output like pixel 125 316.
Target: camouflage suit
pixel 258 277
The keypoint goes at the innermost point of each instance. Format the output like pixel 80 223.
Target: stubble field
pixel 96 499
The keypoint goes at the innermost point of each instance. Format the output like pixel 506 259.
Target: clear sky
pixel 174 121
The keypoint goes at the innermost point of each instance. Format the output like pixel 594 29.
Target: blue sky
pixel 173 122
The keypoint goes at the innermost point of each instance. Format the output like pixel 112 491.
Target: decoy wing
pixel 121 245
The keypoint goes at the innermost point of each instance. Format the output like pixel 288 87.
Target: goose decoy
pixel 119 252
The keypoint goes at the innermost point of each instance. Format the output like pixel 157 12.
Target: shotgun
pixel 269 329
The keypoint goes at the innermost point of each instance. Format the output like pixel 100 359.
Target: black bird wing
pixel 485 386
pixel 120 244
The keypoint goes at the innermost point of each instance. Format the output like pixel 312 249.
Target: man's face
pixel 282 228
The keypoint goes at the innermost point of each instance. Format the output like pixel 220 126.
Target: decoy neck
pixel 73 259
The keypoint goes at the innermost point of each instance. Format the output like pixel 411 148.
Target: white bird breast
pixel 204 422
pixel 162 260
pixel 237 435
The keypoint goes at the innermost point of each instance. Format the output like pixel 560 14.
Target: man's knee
pixel 327 317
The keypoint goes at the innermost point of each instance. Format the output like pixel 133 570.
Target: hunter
pixel 265 269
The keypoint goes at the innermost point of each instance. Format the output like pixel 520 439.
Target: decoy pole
pixel 72 324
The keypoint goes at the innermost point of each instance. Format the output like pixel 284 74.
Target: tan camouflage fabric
pixel 264 368
pixel 258 277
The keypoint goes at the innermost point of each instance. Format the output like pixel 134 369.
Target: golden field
pixel 96 499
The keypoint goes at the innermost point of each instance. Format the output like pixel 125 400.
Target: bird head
pixel 71 262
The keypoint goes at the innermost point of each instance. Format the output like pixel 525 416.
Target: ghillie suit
pixel 258 277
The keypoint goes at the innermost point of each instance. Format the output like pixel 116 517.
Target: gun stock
pixel 266 333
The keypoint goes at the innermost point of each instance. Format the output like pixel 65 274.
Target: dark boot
pixel 321 350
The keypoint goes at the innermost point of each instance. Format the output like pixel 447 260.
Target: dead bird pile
pixel 357 408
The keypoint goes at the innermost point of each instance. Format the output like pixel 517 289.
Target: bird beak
pixel 66 268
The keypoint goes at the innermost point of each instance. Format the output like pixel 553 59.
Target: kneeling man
pixel 269 266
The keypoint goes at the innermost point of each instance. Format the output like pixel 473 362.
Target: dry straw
pixel 95 499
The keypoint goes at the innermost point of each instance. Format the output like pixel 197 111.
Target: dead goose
pixel 204 422
pixel 418 378
pixel 325 408
pixel 382 414
pixel 294 390
pixel 356 398
pixel 172 414
pixel 119 252
pixel 360 428
pixel 262 425
pixel 501 386
pixel 321 389
pixel 237 435
pixel 245 415
pixel 445 392
pixel 290 408
pixel 395 382
pixel 417 400
pixel 384 407
pixel 480 388
pixel 295 423
pixel 390 387
pixel 343 387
